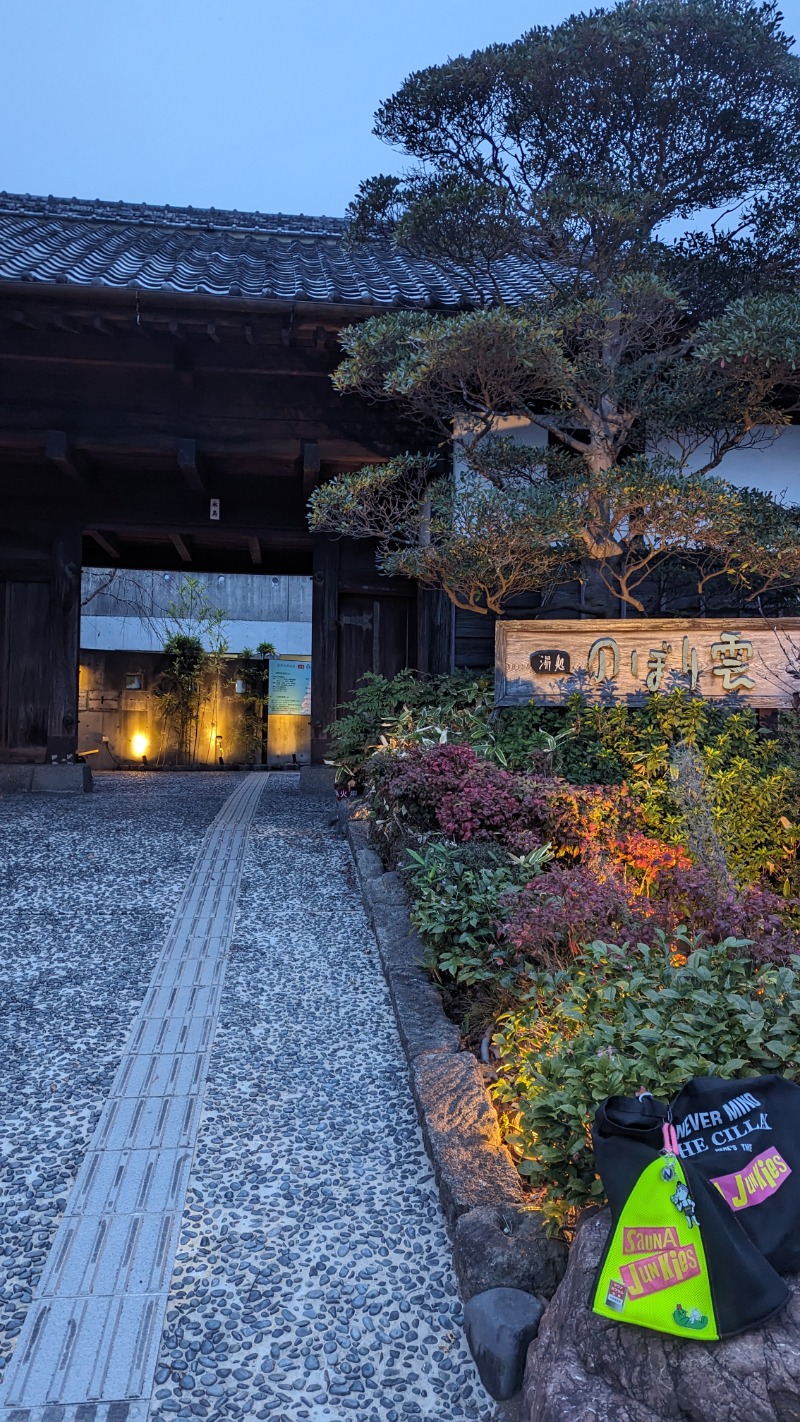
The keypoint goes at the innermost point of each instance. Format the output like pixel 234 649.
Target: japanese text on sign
pixel 289 688
pixel 754 661
pixel 730 661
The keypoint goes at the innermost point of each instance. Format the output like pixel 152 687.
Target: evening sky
pixel 249 104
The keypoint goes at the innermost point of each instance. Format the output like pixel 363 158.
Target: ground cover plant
pixel 625 1017
pixel 591 935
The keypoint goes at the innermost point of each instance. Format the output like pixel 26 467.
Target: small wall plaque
pixel 552 663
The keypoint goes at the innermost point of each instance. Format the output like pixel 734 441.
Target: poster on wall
pixel 745 661
pixel 289 687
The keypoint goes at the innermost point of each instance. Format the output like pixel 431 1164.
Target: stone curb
pixel 471 1166
pixel 459 1126
pixel 316 779
pixel 74 779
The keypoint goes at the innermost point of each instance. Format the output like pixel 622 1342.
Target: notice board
pixel 289 687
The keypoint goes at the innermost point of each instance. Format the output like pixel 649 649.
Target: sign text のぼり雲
pixel 748 661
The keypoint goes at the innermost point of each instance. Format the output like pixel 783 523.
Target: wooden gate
pixel 376 633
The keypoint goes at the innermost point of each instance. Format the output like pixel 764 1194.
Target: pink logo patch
pixel 760 1178
pixel 660 1271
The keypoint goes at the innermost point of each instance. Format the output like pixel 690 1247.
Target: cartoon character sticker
pixel 682 1200
pixel 693 1319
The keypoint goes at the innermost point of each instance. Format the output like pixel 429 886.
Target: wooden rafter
pixel 180 547
pixel 189 466
pixel 106 541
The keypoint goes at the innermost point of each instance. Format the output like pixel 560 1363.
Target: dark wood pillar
pixel 324 642
pixel 435 627
pixel 64 629
pixel 24 692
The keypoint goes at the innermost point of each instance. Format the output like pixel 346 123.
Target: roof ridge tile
pixel 89 243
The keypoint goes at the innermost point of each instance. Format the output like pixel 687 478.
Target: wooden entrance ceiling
pixel 133 415
pixel 155 359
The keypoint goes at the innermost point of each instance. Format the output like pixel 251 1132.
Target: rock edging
pixel 499 1245
pixel 471 1165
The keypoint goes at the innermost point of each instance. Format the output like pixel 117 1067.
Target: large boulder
pixel 499 1325
pixel 583 1368
pixel 498 1246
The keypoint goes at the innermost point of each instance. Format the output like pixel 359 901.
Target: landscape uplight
pixel 140 744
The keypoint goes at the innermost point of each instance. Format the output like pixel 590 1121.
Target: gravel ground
pixel 313 1278
pixel 88 885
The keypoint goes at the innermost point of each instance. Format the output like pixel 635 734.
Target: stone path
pixel 306 1275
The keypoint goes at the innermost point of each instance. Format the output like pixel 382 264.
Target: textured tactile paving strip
pixel 88 1349
pixel 313 1280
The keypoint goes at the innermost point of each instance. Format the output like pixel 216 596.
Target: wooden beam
pixel 435 631
pixel 58 451
pixel 255 550
pixel 106 541
pixel 180 547
pixel 188 465
pixel 311 465
pixel 20 342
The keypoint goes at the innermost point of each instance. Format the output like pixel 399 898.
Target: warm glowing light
pixel 140 744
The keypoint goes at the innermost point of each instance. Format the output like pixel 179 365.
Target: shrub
pixel 404 710
pixel 461 894
pixel 647 886
pixel 621 1018
pixel 550 919
pixel 753 780
pixel 448 788
pixel 579 821
pixel 747 786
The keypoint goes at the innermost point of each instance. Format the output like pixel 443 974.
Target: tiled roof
pixel 235 254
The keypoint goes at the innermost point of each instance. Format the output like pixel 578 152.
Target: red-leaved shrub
pixel 610 881
pixel 555 915
pixel 457 792
pixel 579 821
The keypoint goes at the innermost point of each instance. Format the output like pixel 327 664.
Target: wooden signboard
pixel 746 661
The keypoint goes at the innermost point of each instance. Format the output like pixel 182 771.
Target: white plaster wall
pixel 131 634
pixel 774 468
pixel 522 431
pixel 771 465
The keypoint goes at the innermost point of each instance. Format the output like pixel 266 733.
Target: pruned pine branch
pixel 547 169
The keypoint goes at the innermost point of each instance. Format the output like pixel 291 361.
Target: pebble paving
pixel 312 1277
